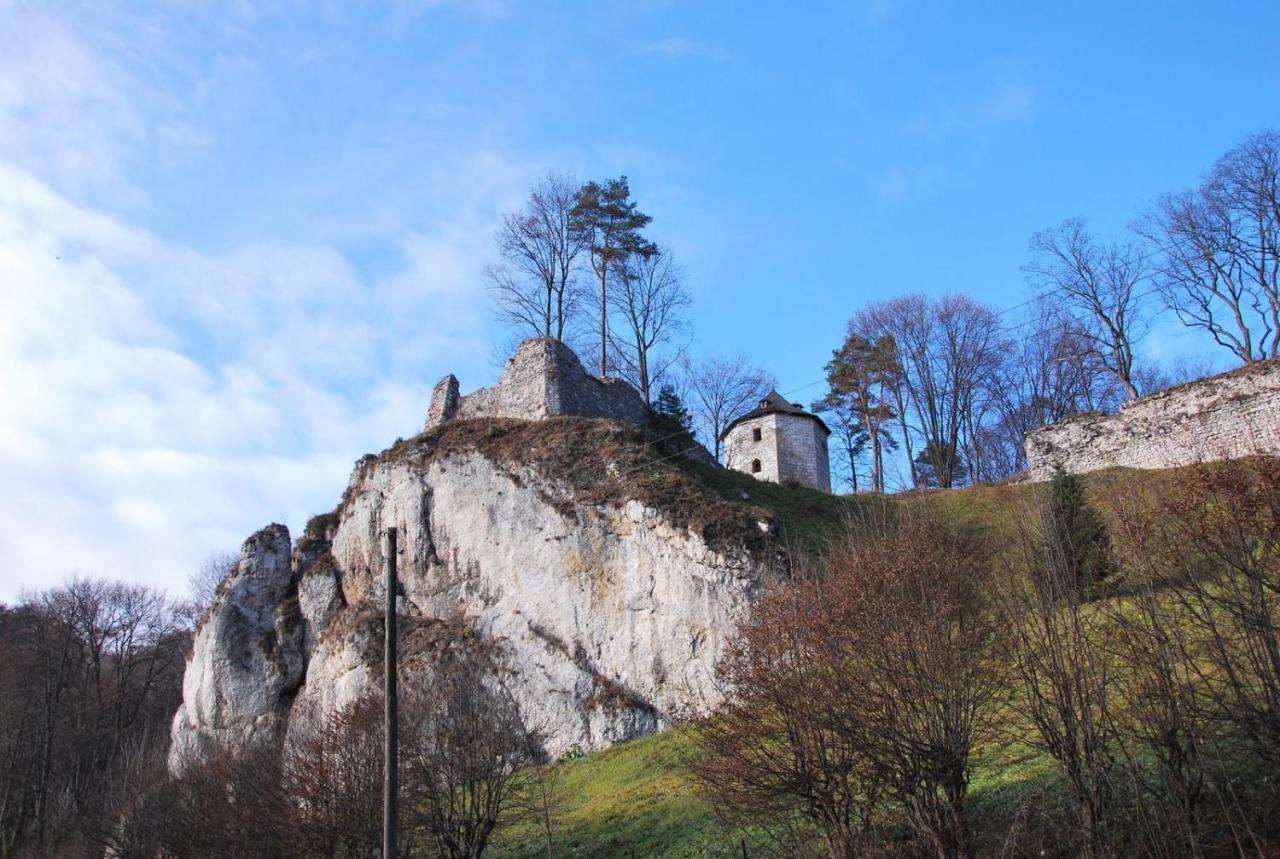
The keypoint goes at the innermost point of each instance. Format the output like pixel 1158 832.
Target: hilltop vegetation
pixel 1172 707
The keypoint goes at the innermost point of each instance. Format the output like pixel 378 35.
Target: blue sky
pixel 240 241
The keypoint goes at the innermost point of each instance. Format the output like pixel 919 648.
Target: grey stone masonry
pixel 444 401
pixel 791 447
pixel 1227 416
pixel 542 379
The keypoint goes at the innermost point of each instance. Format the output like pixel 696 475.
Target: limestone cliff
pixel 605 576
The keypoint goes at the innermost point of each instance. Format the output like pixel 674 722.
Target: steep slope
pixel 604 573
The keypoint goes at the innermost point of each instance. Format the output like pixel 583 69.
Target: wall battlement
pixel 543 379
pixel 1227 416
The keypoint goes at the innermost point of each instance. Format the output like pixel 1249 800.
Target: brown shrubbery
pixel 1137 651
pixel 860 694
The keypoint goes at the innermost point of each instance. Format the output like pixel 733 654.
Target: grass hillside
pixel 638 799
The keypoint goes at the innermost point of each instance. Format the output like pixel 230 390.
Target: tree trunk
pixel 604 318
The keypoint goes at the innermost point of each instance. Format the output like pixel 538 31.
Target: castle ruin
pixel 543 379
pixel 1226 416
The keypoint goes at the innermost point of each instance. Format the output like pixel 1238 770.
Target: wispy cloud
pixel 679 47
pixel 163 400
pixel 901 182
pixel 1007 101
pixel 62 108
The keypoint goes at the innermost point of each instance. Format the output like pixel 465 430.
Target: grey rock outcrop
pixel 605 611
pixel 248 656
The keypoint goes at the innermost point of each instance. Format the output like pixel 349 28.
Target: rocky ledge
pixel 604 578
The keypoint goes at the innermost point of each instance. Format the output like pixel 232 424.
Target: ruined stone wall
pixel 542 379
pixel 791 448
pixel 1222 417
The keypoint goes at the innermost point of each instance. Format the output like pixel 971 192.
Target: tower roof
pixel 775 404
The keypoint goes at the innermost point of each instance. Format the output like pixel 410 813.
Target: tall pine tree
pixel 607 219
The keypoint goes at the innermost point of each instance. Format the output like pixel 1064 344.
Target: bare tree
pixel 902 320
pixel 721 389
pixel 542 795
pixel 1048 375
pixel 652 301
pixel 1099 282
pixel 202 585
pixel 847 434
pixel 88 668
pixel 1221 246
pixel 534 287
pixel 463 754
pixel 946 351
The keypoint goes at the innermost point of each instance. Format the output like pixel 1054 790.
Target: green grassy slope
pixel 635 799
pixel 638 799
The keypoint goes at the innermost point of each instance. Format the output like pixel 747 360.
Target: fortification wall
pixel 1222 417
pixel 542 379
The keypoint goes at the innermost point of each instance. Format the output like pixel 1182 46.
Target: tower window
pixel 755 465
pixel 755 434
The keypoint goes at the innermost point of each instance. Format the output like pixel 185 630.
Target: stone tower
pixel 781 442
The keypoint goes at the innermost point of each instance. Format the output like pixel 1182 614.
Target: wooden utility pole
pixel 390 765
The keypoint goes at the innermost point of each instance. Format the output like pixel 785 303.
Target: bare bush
pixel 1066 681
pixel 860 690
pixel 332 775
pixel 463 747
pixel 229 804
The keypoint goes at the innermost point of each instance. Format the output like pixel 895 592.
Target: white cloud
pixel 162 403
pixel 62 112
pixel 159 401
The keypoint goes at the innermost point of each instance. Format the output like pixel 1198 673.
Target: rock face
pixel 248 658
pixel 607 612
pixel 1227 416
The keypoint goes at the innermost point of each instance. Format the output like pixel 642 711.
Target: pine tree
pixel 1076 535
pixel 669 413
pixel 607 219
